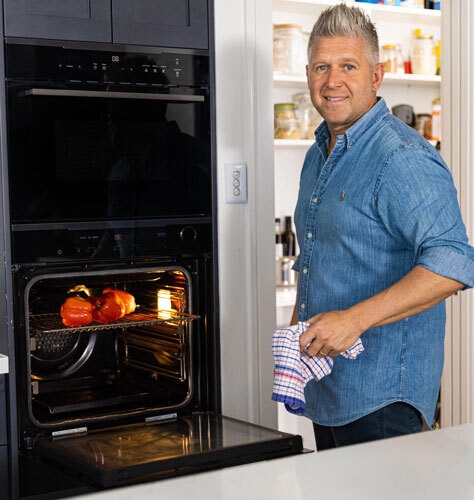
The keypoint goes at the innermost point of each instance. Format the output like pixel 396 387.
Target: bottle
pixel 423 54
pixel 289 239
pixel 436 122
pixel 278 239
pixel 438 57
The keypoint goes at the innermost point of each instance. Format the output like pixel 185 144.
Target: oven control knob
pixel 188 234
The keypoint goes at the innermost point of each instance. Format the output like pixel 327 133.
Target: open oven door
pixel 136 453
pixel 121 402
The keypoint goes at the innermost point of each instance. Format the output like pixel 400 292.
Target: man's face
pixel 342 85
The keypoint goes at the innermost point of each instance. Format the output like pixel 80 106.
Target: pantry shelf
pixel 401 14
pixel 293 143
pixel 422 80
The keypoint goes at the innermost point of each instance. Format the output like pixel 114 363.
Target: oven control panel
pixel 31 246
pixel 161 67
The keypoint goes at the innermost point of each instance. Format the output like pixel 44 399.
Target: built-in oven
pixel 109 134
pixel 111 175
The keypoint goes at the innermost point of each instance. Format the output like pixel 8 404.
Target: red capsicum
pixel 126 298
pixel 76 311
pixel 108 309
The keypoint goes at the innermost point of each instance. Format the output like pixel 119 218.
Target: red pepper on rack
pixel 76 311
pixel 107 308
pixel 122 296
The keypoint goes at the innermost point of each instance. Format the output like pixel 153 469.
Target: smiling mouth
pixel 335 99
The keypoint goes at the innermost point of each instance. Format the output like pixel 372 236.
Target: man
pixel 382 245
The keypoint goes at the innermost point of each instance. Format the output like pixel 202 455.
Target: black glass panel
pixel 79 158
pixel 199 441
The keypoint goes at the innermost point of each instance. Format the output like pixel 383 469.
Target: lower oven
pixel 134 399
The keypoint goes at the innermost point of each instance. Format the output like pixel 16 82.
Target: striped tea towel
pixel 293 369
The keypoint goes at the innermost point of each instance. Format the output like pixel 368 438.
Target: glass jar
pixel 423 54
pixel 390 58
pixel 289 52
pixel 306 113
pixel 285 122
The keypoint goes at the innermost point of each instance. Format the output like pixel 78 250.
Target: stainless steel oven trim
pixel 111 95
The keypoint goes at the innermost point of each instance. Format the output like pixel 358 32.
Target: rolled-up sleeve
pixel 417 202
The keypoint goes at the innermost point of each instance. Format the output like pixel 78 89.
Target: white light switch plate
pixel 235 182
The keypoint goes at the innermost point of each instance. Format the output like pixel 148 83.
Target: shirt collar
pixel 352 134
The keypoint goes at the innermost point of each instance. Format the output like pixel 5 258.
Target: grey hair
pixel 342 20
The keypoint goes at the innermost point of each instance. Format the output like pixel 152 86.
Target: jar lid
pixel 419 34
pixel 287 26
pixel 284 105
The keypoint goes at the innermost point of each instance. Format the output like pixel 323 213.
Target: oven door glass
pixel 88 152
pixel 188 444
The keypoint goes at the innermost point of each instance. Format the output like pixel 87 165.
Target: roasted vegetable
pixel 127 298
pixel 76 311
pixel 108 308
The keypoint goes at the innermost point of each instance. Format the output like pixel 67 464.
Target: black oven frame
pixel 186 244
pixel 203 366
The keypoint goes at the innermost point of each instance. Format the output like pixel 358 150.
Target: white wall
pixel 243 37
pixel 457 99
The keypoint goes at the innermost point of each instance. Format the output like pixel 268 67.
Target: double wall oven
pixel 111 184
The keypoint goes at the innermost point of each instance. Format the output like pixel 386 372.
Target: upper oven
pixel 106 134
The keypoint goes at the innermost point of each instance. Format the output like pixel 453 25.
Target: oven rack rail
pixel 51 323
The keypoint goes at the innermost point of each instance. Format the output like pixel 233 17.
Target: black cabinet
pixel 166 23
pixel 85 20
pixel 3 412
pixel 4 468
pixel 175 23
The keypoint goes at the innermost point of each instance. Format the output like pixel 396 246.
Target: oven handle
pixel 113 95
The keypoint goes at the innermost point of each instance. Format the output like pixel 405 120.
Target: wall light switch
pixel 235 182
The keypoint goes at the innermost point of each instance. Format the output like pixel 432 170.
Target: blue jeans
pixel 396 419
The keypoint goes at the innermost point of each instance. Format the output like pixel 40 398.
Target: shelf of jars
pixel 396 78
pixel 398 14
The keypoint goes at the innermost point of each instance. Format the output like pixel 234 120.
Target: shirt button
pixel 305 270
pixel 315 200
pixel 303 306
pixel 310 235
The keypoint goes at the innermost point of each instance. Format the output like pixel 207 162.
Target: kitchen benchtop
pixel 431 465
pixel 3 364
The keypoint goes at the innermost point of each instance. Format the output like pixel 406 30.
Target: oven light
pixel 164 304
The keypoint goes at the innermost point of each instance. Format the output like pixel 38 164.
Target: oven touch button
pixel 188 234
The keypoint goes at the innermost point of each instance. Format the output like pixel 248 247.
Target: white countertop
pixel 3 364
pixel 431 465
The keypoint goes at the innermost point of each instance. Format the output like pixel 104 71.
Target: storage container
pixel 423 54
pixel 285 122
pixel 289 51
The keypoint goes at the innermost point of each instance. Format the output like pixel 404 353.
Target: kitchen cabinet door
pixel 4 480
pixel 78 20
pixel 3 412
pixel 161 23
pixel 3 437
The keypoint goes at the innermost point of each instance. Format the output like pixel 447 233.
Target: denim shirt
pixel 381 203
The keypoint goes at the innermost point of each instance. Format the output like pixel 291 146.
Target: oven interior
pixel 138 365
